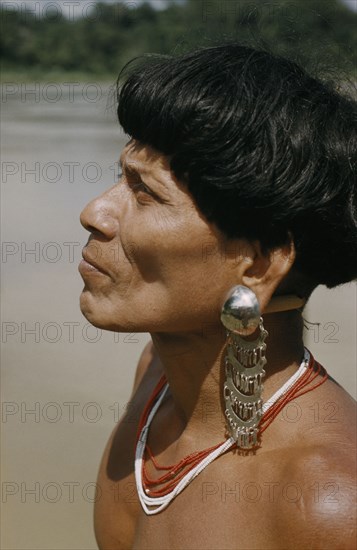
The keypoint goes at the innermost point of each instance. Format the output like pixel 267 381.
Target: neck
pixel 194 366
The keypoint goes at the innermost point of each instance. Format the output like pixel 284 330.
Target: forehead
pixel 144 158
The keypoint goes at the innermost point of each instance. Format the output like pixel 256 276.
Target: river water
pixel 64 384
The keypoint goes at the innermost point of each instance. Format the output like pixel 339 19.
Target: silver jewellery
pixel 244 366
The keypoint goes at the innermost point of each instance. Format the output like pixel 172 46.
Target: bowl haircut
pixel 267 151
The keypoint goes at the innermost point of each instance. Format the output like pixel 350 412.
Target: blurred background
pixel 65 384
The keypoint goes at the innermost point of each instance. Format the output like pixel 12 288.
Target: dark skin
pixel 298 486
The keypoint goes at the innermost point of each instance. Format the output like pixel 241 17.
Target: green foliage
pixel 317 33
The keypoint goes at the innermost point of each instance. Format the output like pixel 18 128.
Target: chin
pixel 92 312
pixel 103 319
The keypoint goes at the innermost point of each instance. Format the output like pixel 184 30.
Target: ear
pixel 267 270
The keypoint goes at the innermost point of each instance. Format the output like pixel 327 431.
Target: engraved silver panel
pixel 243 387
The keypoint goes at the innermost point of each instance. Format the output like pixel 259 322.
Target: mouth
pixel 88 265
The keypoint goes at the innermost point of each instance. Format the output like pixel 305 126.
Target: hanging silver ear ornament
pixel 244 366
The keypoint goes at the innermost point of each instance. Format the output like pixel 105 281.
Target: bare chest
pixel 236 503
pixel 220 509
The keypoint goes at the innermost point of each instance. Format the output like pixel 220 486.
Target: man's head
pixel 239 170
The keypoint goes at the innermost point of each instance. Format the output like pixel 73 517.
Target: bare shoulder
pixel 319 476
pixel 320 498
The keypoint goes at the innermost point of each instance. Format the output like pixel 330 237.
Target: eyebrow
pixel 132 165
pixel 139 168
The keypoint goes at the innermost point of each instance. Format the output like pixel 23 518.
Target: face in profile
pixel 152 262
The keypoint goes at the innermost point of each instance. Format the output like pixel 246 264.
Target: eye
pixel 140 186
pixel 133 181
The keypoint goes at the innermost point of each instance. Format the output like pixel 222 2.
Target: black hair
pixel 267 151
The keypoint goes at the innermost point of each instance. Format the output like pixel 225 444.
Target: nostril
pixel 91 228
pixel 100 231
pixel 88 219
pixel 98 235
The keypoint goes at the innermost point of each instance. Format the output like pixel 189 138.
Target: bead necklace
pixel 179 475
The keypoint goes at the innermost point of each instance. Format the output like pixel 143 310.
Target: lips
pixel 89 264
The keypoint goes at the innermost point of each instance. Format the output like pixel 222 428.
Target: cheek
pixel 173 250
pixel 181 278
pixel 163 257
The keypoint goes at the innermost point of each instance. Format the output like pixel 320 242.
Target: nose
pixel 99 217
